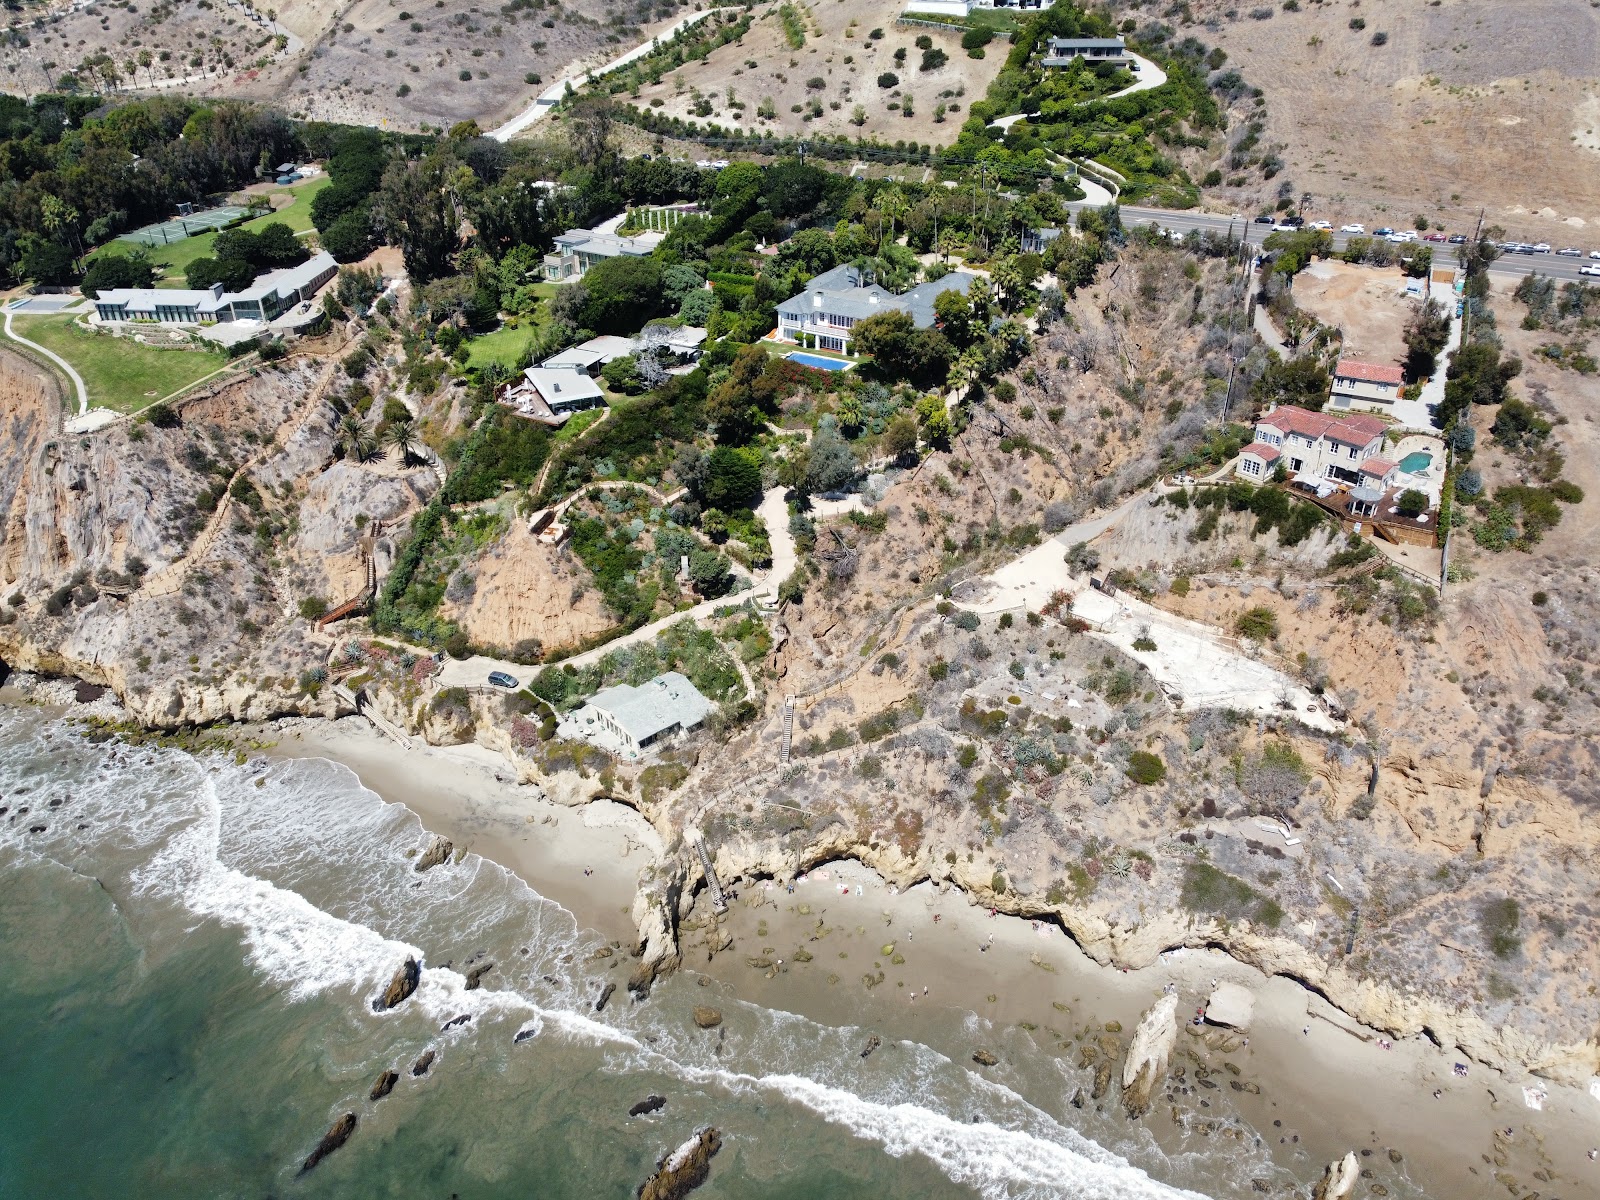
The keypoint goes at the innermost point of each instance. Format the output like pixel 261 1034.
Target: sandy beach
pixel 1020 989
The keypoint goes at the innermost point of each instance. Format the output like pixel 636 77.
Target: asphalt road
pixel 1552 266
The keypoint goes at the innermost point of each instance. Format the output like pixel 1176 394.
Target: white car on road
pixel 1589 270
pixel 1352 229
pixel 1320 225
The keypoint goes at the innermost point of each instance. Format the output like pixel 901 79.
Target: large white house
pixel 577 250
pixel 1318 449
pixel 836 300
pixel 552 394
pixel 962 8
pixel 267 298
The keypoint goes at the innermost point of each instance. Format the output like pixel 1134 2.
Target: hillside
pixel 1466 104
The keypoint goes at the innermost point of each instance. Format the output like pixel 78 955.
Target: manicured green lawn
pixel 118 372
pixel 177 256
pixel 505 345
pixel 577 423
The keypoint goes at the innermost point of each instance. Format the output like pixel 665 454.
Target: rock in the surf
pixel 685 1169
pixel 338 1134
pixel 1149 1055
pixel 438 851
pixel 384 1086
pixel 873 1043
pixel 707 1018
pixel 400 987
pixel 420 1067
pixel 984 1058
pixel 647 1106
pixel 454 1021
pixel 475 976
pixel 605 997
pixel 1338 1180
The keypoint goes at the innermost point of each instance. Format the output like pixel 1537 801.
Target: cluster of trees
pixel 239 255
pixel 73 176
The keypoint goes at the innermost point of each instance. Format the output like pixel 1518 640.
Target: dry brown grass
pixel 1367 303
pixel 763 64
pixel 1470 103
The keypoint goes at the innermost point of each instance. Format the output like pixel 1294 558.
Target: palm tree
pixel 402 436
pixel 892 204
pixel 1009 283
pixel 356 439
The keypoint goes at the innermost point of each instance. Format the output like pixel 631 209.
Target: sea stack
pixel 1339 1180
pixel 338 1134
pixel 685 1169
pixel 384 1085
pixel 400 987
pixel 1149 1055
pixel 438 851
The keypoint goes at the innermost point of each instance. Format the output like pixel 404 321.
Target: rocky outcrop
pixel 338 1134
pixel 647 1106
pixel 984 1058
pixel 605 997
pixel 707 1018
pixel 685 1169
pixel 400 987
pixel 475 976
pixel 384 1085
pixel 1149 1055
pixel 438 851
pixel 655 915
pixel 1231 1005
pixel 421 1066
pixel 1338 1180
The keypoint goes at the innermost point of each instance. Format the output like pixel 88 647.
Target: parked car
pixel 1433 237
pixel 1401 238
pixel 1382 231
pixel 1296 222
pixel 1353 228
pixel 1264 219
pixel 1589 270
pixel 1280 227
pixel 1540 248
pixel 1570 252
pixel 501 680
pixel 1594 254
pixel 1457 239
pixel 1321 225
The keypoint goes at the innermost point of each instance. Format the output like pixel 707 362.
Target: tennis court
pixel 165 233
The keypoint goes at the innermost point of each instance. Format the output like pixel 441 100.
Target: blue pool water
pixel 1416 462
pixel 817 361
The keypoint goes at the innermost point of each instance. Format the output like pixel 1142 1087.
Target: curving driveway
pixel 1150 76
pixel 77 380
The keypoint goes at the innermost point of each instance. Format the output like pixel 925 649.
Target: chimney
pixel 816 299
pixel 216 290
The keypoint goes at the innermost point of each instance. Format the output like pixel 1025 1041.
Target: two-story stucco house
pixel 836 300
pixel 1094 51
pixel 1364 385
pixel 1318 449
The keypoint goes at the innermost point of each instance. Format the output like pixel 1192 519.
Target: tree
pixel 830 465
pixel 696 307
pixel 1476 375
pixel 277 246
pixel 1010 283
pixel 1300 381
pixel 709 572
pixel 234 274
pixel 893 205
pixel 791 188
pixel 742 402
pixel 417 210
pixel 355 439
pixel 934 417
pixel 349 238
pixel 900 438
pixel 888 80
pixel 733 478
pixel 1425 335
pixel 902 351
pixel 1412 502
pixel 678 280
pixel 46 262
pixel 623 292
pixel 117 271
pixel 401 437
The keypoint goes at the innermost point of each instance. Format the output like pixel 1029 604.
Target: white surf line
pixel 77 380
pixel 552 95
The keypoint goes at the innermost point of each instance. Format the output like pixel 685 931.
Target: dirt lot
pixel 839 52
pixel 1468 103
pixel 1367 303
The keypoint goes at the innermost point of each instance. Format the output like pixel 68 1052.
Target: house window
pixel 1295 464
pixel 1249 466
pixel 1352 451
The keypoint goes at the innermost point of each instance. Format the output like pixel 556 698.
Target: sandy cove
pixel 1330 1082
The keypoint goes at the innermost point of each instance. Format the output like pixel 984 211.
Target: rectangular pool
pixel 817 362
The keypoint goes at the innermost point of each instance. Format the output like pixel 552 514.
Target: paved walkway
pixel 1418 413
pixel 774 512
pixel 77 380
pixel 552 95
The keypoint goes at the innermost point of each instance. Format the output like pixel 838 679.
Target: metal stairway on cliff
pixel 719 900
pixel 788 731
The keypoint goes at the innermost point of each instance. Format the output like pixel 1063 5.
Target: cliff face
pixel 169 563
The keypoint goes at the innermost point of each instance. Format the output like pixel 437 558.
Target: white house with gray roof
pixel 270 295
pixel 836 300
pixel 632 719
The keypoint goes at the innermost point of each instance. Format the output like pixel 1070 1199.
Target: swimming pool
pixel 1416 462
pixel 818 362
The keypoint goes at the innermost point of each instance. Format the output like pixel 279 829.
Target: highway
pixel 1552 266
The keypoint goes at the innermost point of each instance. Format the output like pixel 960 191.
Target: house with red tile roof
pixel 1367 386
pixel 1318 448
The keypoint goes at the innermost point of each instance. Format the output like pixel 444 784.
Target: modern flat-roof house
pixel 1318 449
pixel 1094 51
pixel 1367 386
pixel 552 394
pixel 267 298
pixel 683 342
pixel 835 300
pixel 962 8
pixel 632 719
pixel 579 249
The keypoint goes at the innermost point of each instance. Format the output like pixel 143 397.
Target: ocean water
pixel 188 954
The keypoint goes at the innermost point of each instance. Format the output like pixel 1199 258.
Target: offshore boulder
pixel 338 1134
pixel 400 987
pixel 685 1169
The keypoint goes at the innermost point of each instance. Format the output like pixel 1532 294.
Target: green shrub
pixel 1498 921
pixel 1208 891
pixel 1145 768
pixel 1258 624
pixel 938 670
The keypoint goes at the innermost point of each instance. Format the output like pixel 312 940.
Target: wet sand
pixel 1016 988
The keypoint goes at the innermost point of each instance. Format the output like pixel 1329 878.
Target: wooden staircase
pixel 788 731
pixel 368 591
